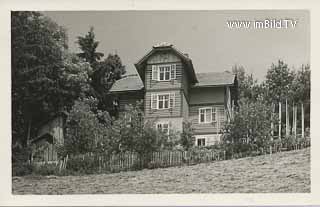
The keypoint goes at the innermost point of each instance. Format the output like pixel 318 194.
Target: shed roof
pixel 214 79
pixel 130 82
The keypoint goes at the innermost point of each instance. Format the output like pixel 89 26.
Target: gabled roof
pixel 214 79
pixel 130 82
pixel 167 47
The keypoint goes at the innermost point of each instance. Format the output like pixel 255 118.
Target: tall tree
pixel 88 46
pixel 45 78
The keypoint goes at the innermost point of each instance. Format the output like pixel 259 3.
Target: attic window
pixel 164 72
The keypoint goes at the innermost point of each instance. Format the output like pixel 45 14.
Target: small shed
pixel 49 135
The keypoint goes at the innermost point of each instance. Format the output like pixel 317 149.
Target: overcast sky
pixel 204 35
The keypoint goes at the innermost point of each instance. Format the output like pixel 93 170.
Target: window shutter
pixel 154 72
pixel 154 101
pixel 173 71
pixel 172 100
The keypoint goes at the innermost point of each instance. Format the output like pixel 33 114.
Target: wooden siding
pixel 129 98
pixel 185 107
pixel 207 95
pixel 203 128
pixel 163 57
pixel 55 128
pixel 174 112
pixel 185 84
pixel 153 84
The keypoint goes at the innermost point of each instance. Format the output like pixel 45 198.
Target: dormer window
pixel 164 72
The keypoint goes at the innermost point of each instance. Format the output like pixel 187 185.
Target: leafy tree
pixel 37 51
pixel 251 124
pixel 45 77
pixel 279 79
pixel 248 86
pixel 86 128
pixel 131 132
pixel 88 46
pixel 105 74
pixel 187 136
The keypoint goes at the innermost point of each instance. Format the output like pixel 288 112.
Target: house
pixel 49 135
pixel 172 92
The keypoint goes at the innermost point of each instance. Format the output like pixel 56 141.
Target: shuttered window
pixel 154 72
pixel 173 72
pixel 163 101
pixel 154 101
pixel 163 72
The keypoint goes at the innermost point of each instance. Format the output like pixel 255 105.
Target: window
pixel 201 142
pixel 213 115
pixel 164 72
pixel 207 115
pixel 164 127
pixel 162 101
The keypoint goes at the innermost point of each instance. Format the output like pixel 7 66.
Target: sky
pixel 204 35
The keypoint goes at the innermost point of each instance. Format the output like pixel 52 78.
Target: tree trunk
pixel 302 120
pixel 295 121
pixel 287 119
pixel 272 126
pixel 29 131
pixel 279 121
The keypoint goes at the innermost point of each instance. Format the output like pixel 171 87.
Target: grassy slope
pixel 283 172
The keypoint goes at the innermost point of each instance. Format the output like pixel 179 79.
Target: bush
pixel 21 169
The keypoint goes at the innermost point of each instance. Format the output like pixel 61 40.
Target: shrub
pixel 21 169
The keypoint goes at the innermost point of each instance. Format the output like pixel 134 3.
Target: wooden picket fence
pixel 104 163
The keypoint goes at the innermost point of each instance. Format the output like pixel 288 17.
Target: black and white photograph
pixel 168 103
pixel 160 102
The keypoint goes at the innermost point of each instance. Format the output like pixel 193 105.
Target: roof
pixel 214 79
pixel 130 82
pixel 164 47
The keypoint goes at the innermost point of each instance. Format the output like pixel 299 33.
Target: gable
pixel 163 57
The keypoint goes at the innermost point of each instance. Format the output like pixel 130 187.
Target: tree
pixel 46 79
pixel 278 80
pixel 105 74
pixel 37 50
pixel 251 124
pixel 249 88
pixel 187 136
pixel 88 46
pixel 87 128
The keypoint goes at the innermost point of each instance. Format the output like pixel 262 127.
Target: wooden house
pixel 172 92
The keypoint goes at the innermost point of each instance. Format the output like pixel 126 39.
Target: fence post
pixel 270 149
pixel 224 155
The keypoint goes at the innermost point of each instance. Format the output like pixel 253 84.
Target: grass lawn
pixel 285 172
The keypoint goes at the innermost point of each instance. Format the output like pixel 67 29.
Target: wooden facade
pixel 50 134
pixel 156 71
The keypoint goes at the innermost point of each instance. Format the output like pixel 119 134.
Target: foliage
pixel 279 80
pixel 86 127
pixel 21 169
pixel 105 72
pixel 88 46
pixel 251 124
pixel 187 136
pixel 45 78
pixel 131 132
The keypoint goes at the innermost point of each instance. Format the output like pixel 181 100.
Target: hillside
pixel 285 172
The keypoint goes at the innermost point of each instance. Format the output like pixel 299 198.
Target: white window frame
pixel 156 98
pixel 205 109
pixel 167 68
pixel 162 124
pixel 164 100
